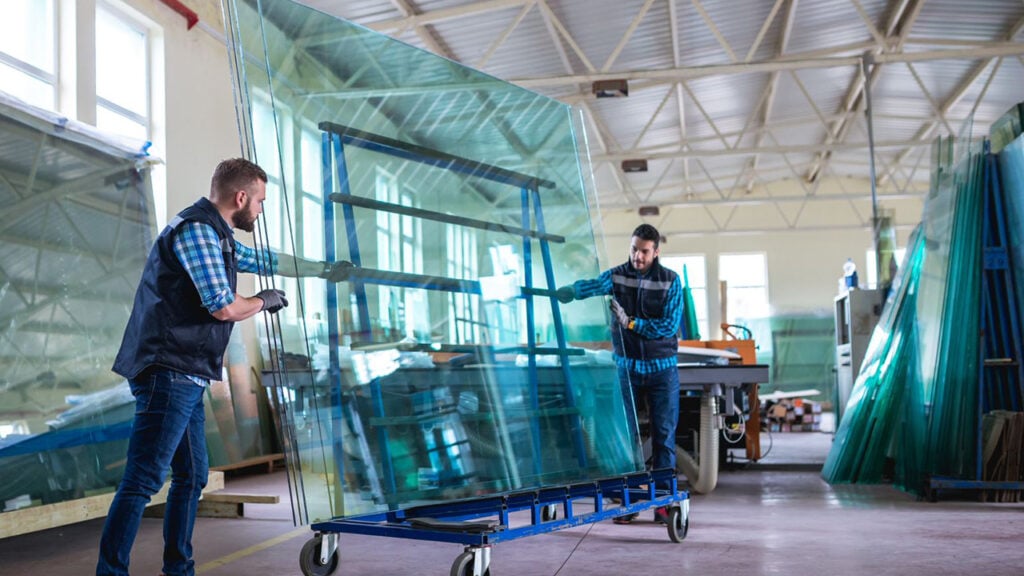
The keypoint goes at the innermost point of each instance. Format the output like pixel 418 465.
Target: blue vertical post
pixel 330 249
pixel 556 315
pixel 358 287
pixel 531 340
pixel 1011 334
pixel 334 364
pixel 999 383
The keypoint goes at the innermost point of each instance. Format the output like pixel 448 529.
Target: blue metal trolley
pixel 477 523
pixel 480 523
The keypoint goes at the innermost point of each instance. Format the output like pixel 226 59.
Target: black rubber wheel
pixel 549 513
pixel 678 524
pixel 463 565
pixel 309 559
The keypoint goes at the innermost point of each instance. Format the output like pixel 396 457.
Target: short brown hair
pixel 234 174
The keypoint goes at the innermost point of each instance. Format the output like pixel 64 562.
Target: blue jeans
pixel 168 432
pixel 661 392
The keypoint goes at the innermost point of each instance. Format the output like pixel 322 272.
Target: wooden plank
pixel 269 459
pixel 249 498
pixel 220 505
pixel 37 518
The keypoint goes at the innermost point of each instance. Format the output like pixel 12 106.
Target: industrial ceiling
pixel 749 115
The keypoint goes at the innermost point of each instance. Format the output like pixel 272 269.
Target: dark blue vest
pixel 168 326
pixel 642 296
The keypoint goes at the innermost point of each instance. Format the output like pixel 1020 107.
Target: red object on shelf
pixel 185 11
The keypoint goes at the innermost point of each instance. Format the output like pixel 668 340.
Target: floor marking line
pixel 252 549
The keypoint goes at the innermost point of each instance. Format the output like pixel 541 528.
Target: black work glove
pixel 337 271
pixel 273 300
pixel 619 314
pixel 565 294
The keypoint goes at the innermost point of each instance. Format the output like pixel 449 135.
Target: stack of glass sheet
pixel 76 223
pixel 914 413
pixel 440 368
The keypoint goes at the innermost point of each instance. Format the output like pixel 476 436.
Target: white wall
pixel 804 264
pixel 199 128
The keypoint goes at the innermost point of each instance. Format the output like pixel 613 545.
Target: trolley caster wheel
pixel 309 559
pixel 549 513
pixel 678 524
pixel 463 565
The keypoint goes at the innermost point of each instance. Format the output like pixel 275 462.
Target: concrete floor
pixel 773 517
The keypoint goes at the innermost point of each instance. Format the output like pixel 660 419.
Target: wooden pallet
pixel 35 518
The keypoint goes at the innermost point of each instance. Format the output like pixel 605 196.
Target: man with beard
pixel 185 307
pixel 646 309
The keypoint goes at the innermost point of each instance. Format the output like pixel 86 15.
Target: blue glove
pixel 565 294
pixel 619 314
pixel 273 300
pixel 337 271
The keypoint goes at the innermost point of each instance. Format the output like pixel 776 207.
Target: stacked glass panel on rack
pixel 439 369
pixel 76 221
pixel 916 403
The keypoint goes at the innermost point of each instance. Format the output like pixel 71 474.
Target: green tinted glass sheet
pixel 439 369
pixel 76 219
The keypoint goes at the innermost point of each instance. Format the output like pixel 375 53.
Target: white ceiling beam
pixel 773 81
pixel 902 18
pixel 625 37
pixel 764 30
pixel 647 126
pixel 958 93
pixel 928 96
pixel 780 149
pixel 697 191
pixel 670 235
pixel 879 39
pixel 678 86
pixel 714 30
pixel 922 41
pixel 500 40
pixel 686 73
pixel 549 15
pixel 984 89
pixel 704 113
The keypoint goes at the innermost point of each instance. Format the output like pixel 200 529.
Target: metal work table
pixel 723 381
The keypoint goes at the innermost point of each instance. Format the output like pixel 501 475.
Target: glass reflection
pixel 441 367
pixel 76 222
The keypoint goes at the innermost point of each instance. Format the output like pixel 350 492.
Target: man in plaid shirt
pixel 185 307
pixel 646 307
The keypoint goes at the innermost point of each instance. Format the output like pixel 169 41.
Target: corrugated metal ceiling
pixel 743 79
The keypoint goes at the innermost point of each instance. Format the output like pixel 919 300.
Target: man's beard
pixel 241 219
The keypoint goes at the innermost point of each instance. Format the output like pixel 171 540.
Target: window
pixel 463 309
pixel 28 68
pixel 122 75
pixel 312 220
pixel 747 278
pixel 871 276
pixel 402 312
pixel 97 62
pixel 696 274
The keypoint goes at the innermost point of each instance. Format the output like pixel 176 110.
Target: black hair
pixel 647 232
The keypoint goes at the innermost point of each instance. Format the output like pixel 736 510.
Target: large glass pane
pixel 444 371
pixel 76 219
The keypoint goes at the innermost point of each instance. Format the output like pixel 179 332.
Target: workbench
pixel 724 381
